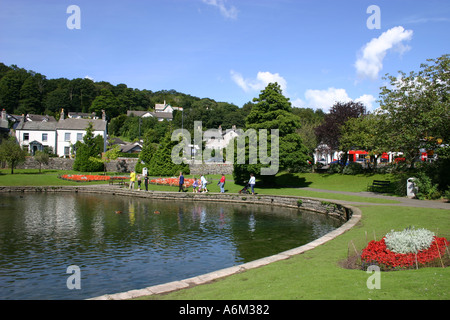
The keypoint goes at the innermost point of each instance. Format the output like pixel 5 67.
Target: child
pixel 195 185
pixel 204 183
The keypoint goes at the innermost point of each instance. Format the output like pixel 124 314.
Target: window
pixel 67 136
pixel 26 136
pixel 44 137
pixel 66 150
pixel 79 136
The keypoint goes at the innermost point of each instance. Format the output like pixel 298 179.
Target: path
pixel 436 204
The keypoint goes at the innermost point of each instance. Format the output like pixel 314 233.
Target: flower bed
pixel 377 252
pixel 171 181
pixel 89 177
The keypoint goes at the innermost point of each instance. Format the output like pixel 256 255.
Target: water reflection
pixel 123 243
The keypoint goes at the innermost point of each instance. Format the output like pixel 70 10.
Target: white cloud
pixel 367 100
pixel 325 99
pixel 261 81
pixel 370 63
pixel 316 99
pixel 229 13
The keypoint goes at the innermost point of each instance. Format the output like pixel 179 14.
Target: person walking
pixel 252 182
pixel 204 183
pixel 146 182
pixel 181 182
pixel 195 185
pixel 222 184
pixel 132 179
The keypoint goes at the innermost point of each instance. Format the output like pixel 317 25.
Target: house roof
pixel 38 117
pixel 80 124
pixel 37 125
pixel 131 147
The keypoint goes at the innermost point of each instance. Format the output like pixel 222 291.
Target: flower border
pixel 377 252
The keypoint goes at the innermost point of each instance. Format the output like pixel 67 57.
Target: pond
pixel 123 243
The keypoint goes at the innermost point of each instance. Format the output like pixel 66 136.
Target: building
pixel 39 133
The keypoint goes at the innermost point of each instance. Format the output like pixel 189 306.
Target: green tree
pixel 11 153
pixel 108 102
pixel 88 151
pixel 415 108
pixel 364 133
pixel 10 86
pixel 161 163
pixel 41 157
pixel 272 110
pixel 30 97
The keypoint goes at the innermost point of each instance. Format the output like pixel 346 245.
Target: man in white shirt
pixel 252 182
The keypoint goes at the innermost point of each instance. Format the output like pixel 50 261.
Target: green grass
pixel 31 177
pixel 316 274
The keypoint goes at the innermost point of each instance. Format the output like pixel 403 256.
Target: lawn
pixel 316 274
pixel 287 184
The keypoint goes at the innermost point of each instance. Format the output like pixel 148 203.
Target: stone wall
pixel 119 165
pixel 53 164
pixel 334 209
pixel 211 168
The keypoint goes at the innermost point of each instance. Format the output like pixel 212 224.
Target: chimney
pixel 4 114
pixel 62 115
pixel 103 115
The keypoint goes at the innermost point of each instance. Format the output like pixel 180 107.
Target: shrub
pixel 353 168
pixel 426 188
pixel 409 240
pixel 335 168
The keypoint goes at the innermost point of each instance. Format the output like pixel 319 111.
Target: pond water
pixel 123 243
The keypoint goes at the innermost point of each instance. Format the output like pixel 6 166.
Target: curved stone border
pixel 352 215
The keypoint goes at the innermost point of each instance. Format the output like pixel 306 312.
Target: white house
pixel 34 135
pixel 72 130
pixel 56 136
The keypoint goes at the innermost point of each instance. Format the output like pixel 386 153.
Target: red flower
pixel 376 251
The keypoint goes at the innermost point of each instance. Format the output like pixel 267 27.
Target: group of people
pixel 199 185
pixel 138 177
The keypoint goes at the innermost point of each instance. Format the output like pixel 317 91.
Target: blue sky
pixel 228 50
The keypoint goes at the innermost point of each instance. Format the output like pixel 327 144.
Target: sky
pixel 320 52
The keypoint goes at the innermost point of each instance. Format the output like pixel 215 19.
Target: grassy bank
pixel 317 274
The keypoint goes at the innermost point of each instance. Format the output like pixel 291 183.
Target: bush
pixel 353 168
pixel 426 188
pixel 84 163
pixel 409 240
pixel 447 195
pixel 335 168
